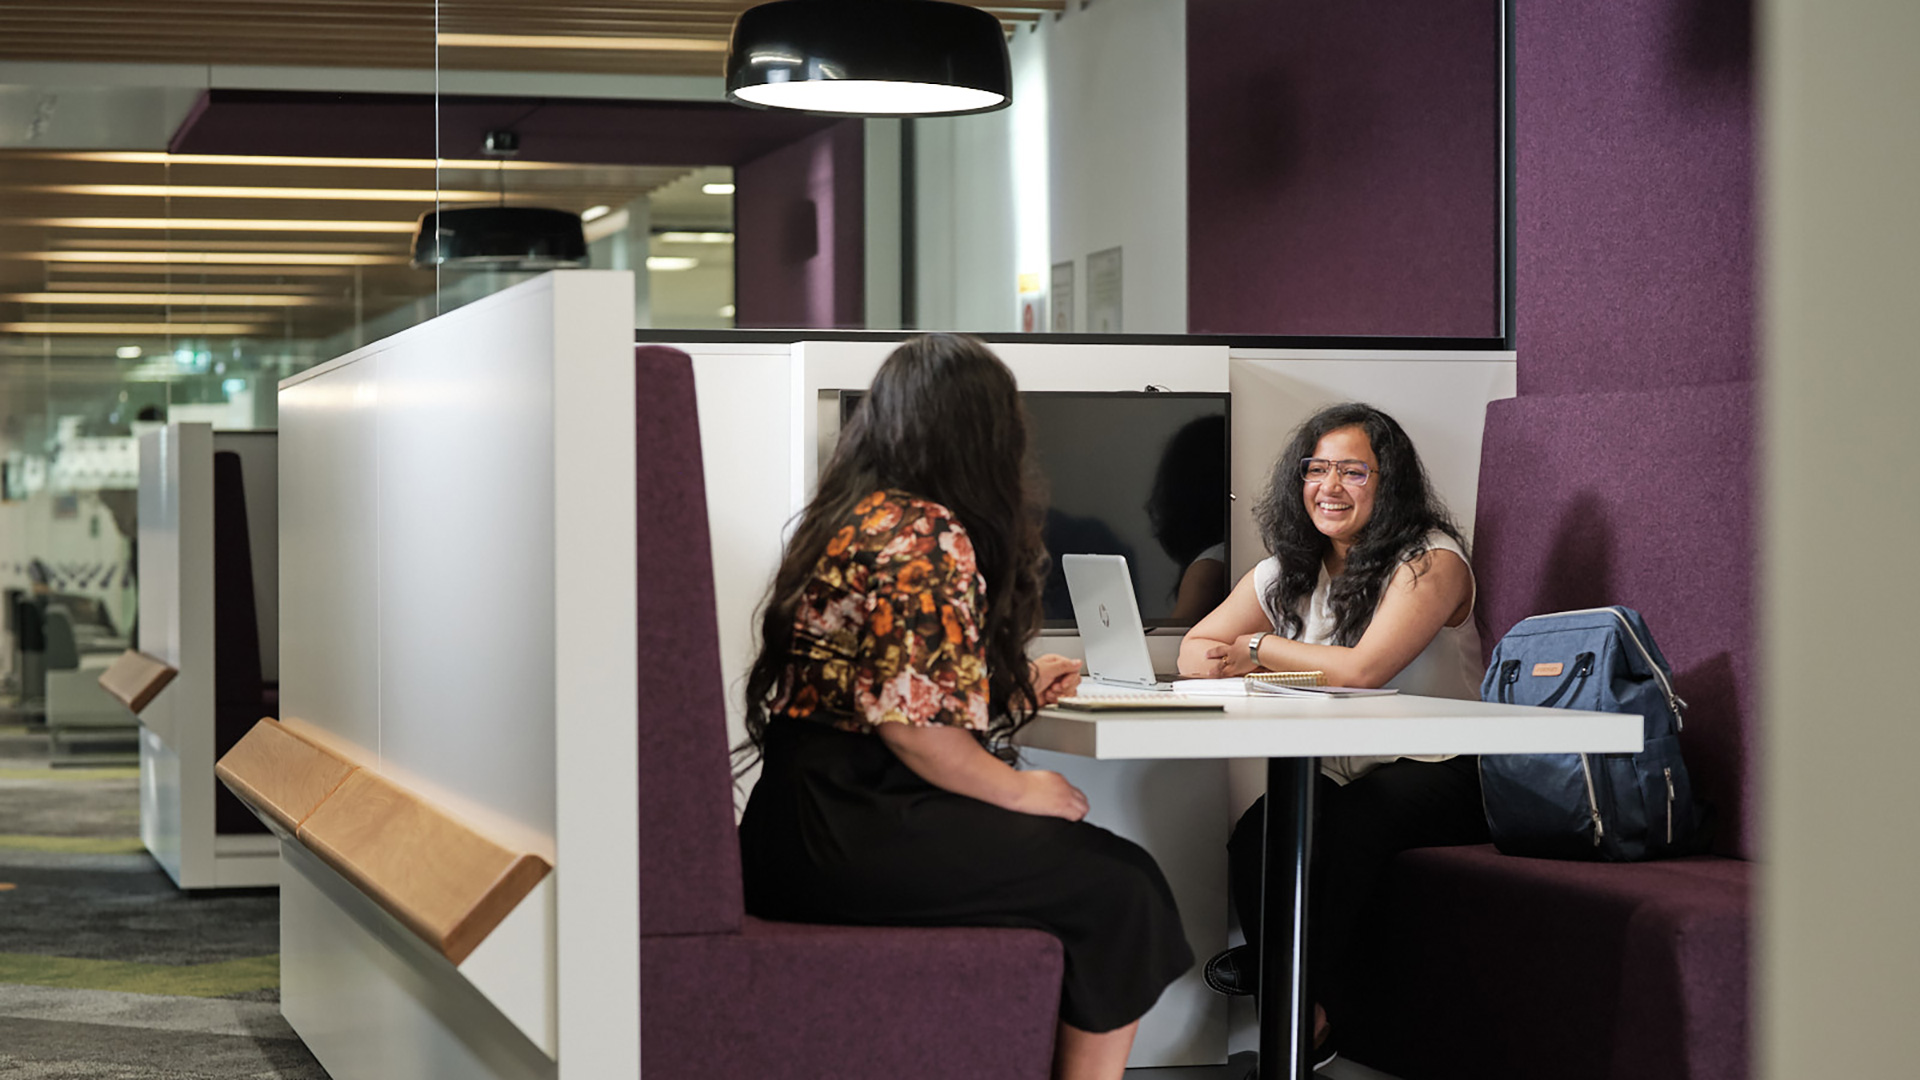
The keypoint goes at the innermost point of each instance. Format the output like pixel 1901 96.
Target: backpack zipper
pixel 1593 803
pixel 1669 771
pixel 1674 701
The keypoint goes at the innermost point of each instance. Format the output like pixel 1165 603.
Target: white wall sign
pixel 1103 292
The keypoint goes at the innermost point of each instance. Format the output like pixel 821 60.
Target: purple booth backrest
pixel 689 851
pixel 1646 500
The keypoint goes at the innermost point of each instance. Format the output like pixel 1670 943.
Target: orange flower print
pixel 882 623
pixel 913 576
pixel 841 539
pixel 951 622
pixel 926 603
pixel 804 702
pixel 883 520
pixel 870 502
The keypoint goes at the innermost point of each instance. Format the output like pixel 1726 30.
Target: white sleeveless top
pixel 1448 667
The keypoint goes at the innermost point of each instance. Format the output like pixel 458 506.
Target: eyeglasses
pixel 1319 469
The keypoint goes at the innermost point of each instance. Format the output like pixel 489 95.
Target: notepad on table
pixel 1138 703
pixel 1319 691
pixel 1261 680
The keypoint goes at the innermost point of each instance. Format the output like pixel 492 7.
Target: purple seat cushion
pixel 689 852
pixel 1646 500
pixel 1494 967
pixel 782 1000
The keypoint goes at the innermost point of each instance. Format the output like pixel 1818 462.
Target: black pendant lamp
pixel 869 58
pixel 500 237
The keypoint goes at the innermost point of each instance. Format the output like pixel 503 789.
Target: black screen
pixel 1142 475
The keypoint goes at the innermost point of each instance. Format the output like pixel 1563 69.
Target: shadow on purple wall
pixel 800 252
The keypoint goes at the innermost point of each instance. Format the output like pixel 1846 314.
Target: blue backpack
pixel 1605 807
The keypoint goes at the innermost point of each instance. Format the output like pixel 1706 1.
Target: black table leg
pixel 1286 1015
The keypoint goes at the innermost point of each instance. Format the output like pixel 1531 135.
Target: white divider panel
pixel 176 625
pixel 457 522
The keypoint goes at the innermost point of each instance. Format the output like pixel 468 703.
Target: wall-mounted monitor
pixel 1141 474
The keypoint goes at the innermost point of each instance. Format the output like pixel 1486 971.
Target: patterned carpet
pixel 107 972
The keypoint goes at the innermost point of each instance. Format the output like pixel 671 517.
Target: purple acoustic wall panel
pixel 1634 148
pixel 689 850
pixel 800 234
pixel 1343 167
pixel 1642 499
pixel 594 131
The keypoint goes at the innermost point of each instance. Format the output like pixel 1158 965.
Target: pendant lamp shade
pixel 500 238
pixel 869 58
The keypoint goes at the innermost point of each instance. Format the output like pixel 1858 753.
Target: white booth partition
pixel 458 617
pixel 208 570
pixel 769 413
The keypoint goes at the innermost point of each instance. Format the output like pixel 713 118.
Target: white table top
pixel 1273 726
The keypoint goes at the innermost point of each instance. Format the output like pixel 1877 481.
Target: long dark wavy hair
pixel 943 422
pixel 1405 510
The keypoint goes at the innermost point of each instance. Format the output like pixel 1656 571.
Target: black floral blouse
pixel 885 632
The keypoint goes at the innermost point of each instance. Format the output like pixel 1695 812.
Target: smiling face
pixel 1338 509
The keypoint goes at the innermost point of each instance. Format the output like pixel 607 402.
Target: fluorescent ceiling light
pixel 220 191
pixel 198 286
pixel 121 328
pixel 623 44
pixel 161 299
pixel 218 258
pixel 595 213
pixel 128 352
pixel 671 262
pixel 870 97
pixel 716 189
pixel 136 224
pixel 129 243
pixel 76 273
pixel 694 237
pixel 154 157
pixel 616 222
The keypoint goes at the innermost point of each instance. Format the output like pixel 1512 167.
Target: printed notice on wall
pixel 1103 292
pixel 1062 294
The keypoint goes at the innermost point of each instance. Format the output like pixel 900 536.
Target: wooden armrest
pixel 444 881
pixel 136 678
pixel 280 774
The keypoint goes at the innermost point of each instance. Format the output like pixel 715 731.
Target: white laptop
pixel 1114 637
pixel 1110 627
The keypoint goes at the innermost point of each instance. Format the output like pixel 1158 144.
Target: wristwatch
pixel 1253 647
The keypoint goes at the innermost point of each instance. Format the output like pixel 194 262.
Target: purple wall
pixel 1635 194
pixel 1343 167
pixel 1624 473
pixel 799 221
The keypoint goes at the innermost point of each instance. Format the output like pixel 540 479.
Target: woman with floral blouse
pixel 891 678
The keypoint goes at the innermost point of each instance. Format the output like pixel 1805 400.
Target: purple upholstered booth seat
pixel 723 994
pixel 1495 967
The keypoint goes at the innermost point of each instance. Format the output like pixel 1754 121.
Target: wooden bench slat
pixel 136 679
pixel 281 774
pixel 444 881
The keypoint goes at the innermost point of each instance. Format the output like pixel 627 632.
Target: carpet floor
pixel 108 972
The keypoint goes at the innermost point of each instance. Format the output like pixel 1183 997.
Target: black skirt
pixel 839 830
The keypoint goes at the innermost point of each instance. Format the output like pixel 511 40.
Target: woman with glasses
pixel 1368 581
